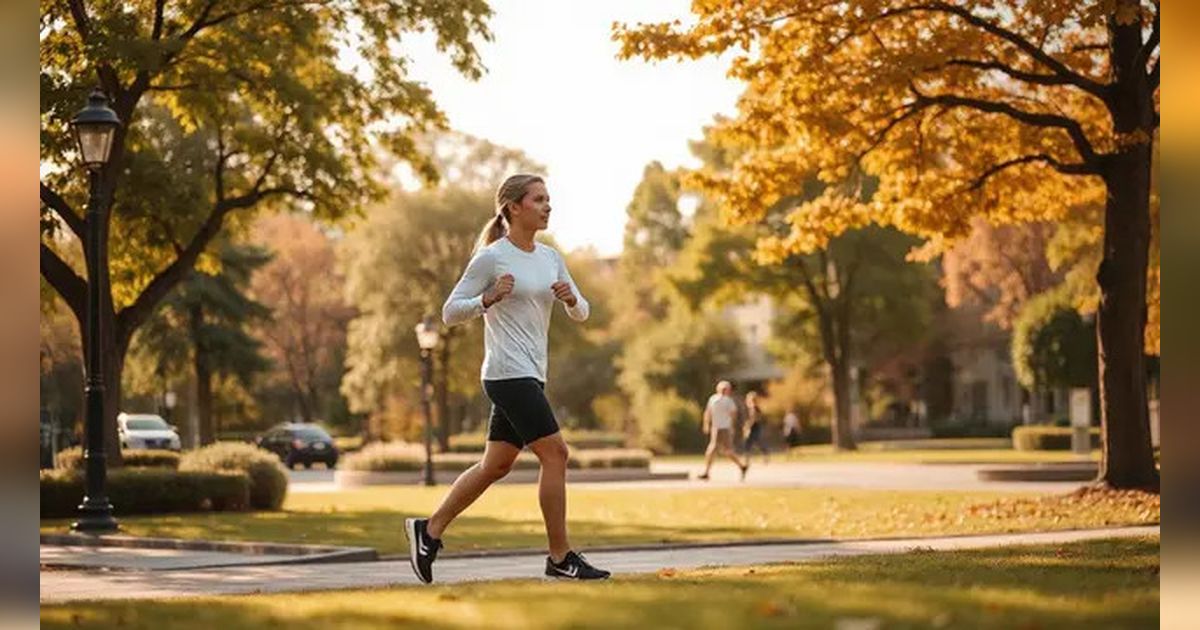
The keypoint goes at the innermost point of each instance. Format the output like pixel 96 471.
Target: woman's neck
pixel 521 238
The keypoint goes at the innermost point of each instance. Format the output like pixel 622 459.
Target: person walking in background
pixel 719 415
pixel 791 428
pixel 513 282
pixel 755 428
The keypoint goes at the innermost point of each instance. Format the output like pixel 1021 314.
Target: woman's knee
pixel 495 469
pixel 553 452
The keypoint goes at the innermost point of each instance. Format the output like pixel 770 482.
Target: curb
pixel 1063 471
pixel 304 554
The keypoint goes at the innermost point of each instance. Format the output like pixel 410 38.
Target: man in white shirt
pixel 719 415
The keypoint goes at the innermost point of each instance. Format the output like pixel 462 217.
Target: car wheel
pixel 331 464
pixel 307 465
pixel 290 463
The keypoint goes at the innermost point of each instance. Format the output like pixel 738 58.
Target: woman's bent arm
pixel 466 300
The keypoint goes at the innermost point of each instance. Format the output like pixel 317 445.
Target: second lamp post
pixel 427 339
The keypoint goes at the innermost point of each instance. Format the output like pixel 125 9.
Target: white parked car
pixel 146 431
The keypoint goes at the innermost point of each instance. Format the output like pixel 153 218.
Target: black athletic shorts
pixel 520 412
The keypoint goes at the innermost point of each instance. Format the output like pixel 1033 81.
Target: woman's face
pixel 533 213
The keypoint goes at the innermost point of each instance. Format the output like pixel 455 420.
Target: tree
pixel 231 108
pixel 1052 345
pixel 1017 113
pixel 400 265
pixel 207 318
pixel 999 268
pixel 305 336
pixel 851 302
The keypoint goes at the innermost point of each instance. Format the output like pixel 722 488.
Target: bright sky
pixel 555 89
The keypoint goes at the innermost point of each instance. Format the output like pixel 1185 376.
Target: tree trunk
pixel 113 354
pixel 204 393
pixel 843 438
pixel 1128 458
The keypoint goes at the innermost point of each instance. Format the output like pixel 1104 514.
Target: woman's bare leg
pixel 498 458
pixel 552 452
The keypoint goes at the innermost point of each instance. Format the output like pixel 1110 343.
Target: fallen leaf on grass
pixel 666 573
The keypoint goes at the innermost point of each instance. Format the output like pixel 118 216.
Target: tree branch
pixel 1066 169
pixel 1099 90
pixel 1050 121
pixel 69 286
pixel 60 207
pixel 156 30
pixel 1020 75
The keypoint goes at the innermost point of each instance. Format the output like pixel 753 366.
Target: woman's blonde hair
pixel 513 190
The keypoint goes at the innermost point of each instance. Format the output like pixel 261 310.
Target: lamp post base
pixel 95 518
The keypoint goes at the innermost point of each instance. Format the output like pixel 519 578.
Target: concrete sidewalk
pixel 63 586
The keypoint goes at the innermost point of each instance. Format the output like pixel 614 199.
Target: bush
pixel 972 430
pixel 72 459
pixel 148 491
pixel 669 424
pixel 1047 438
pixel 268 479
pixel 610 458
pixel 386 457
pixel 407 457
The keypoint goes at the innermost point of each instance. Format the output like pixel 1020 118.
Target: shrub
pixel 407 457
pixel 148 491
pixel 610 458
pixel 72 459
pixel 386 457
pixel 669 424
pixel 268 479
pixel 958 430
pixel 1048 438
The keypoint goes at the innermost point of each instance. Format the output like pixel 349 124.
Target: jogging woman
pixel 513 282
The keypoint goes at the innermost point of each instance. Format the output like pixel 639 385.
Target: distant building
pixel 753 321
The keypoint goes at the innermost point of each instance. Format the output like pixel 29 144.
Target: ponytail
pixel 493 231
pixel 511 191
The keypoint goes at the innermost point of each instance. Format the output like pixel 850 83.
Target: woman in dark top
pixel 755 426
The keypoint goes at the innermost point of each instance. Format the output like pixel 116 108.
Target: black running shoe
pixel 422 550
pixel 574 567
pixel 745 469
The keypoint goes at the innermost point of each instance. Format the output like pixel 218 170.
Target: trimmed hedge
pixel 407 457
pixel 610 458
pixel 148 491
pixel 474 442
pixel 268 479
pixel 72 458
pixel 1047 438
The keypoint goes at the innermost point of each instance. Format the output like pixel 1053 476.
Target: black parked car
pixel 300 443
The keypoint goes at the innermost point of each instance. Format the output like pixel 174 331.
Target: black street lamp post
pixel 94 128
pixel 427 339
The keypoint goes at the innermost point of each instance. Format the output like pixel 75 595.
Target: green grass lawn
pixel 1092 585
pixel 507 516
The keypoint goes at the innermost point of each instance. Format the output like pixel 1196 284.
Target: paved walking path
pixel 62 586
pixel 780 474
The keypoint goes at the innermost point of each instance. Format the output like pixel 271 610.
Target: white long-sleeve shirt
pixel 515 330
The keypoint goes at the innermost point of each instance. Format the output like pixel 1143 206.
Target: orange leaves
pixel 830 92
